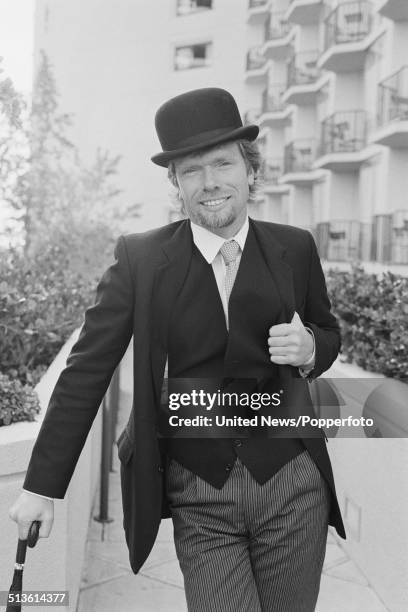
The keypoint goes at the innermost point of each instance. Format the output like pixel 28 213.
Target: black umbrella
pixel 17 584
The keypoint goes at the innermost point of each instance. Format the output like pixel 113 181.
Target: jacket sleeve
pixel 82 385
pixel 319 318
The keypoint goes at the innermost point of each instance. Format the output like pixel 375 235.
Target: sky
pixel 16 49
pixel 16 41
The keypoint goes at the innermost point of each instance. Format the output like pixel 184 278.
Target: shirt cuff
pixel 39 495
pixel 308 366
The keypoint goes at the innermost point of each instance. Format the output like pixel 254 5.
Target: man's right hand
pixel 28 508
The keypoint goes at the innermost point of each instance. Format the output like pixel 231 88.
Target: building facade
pixel 327 81
pixel 116 62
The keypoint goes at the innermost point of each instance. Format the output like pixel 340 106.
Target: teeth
pixel 214 202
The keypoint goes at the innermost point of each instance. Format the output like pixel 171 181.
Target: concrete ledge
pixel 372 489
pixel 56 562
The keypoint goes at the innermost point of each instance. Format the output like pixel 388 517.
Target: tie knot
pixel 229 251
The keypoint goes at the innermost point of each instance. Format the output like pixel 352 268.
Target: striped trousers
pixel 250 547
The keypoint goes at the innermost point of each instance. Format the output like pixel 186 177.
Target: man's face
pixel 214 187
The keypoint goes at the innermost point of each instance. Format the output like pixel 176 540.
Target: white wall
pixel 56 562
pixel 113 64
pixel 344 195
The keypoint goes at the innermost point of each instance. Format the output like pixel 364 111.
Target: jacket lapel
pixel 274 253
pixel 170 274
pixel 282 273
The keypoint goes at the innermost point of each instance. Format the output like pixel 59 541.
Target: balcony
pixel 298 162
pixel 304 12
pixel 275 113
pixel 258 11
pixel 343 138
pixel 303 76
pixel 346 30
pixel 399 252
pixel 397 10
pixel 339 240
pixel 389 238
pixel 392 116
pixel 278 37
pixel 256 65
pixel 271 172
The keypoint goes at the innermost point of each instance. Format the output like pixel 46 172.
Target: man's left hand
pixel 290 343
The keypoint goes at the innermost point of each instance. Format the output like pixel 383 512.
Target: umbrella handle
pixel 33 534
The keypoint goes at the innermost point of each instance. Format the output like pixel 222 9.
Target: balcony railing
pixel 302 68
pixel 344 240
pixel 381 238
pixel 344 132
pixel 272 98
pixel 300 155
pixel 271 170
pixel 389 238
pixel 393 98
pixel 348 22
pixel 255 59
pixel 384 240
pixel 340 240
pixel 257 3
pixel 322 238
pixel 400 237
pixel 276 26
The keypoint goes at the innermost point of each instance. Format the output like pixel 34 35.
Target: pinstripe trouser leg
pixel 247 547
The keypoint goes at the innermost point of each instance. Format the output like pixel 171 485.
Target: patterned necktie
pixel 229 251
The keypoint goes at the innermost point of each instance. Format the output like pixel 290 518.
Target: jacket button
pixel 160 468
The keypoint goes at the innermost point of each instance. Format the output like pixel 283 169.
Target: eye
pixel 189 170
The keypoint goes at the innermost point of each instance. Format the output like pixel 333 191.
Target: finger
pixel 279 359
pixel 283 329
pixel 45 528
pixel 23 529
pixel 281 341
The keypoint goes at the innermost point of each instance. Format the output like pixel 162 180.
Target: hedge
pixel 373 316
pixel 18 402
pixel 42 302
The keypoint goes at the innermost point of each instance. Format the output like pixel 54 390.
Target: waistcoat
pixel 200 346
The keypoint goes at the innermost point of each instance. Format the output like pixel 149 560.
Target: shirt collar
pixel 209 243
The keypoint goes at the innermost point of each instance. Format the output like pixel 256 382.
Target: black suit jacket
pixel 135 297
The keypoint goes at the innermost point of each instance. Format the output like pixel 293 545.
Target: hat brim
pixel 247 132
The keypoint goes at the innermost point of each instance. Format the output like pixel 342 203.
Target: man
pixel 216 296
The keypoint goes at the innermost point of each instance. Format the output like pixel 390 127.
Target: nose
pixel 210 181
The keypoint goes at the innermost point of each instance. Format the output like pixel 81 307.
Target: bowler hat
pixel 198 119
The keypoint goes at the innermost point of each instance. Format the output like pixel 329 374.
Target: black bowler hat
pixel 198 119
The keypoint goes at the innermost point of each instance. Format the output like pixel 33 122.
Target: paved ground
pixel 108 584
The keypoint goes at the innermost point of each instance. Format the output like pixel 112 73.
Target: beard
pixel 214 220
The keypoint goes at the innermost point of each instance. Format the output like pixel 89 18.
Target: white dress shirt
pixel 209 245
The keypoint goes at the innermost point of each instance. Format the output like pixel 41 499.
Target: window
pixel 185 7
pixel 192 56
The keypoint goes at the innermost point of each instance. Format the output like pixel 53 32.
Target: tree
pixel 60 200
pixel 14 149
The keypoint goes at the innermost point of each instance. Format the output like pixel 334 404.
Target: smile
pixel 211 203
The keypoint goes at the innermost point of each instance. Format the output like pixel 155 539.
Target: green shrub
pixel 18 402
pixel 373 315
pixel 41 303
